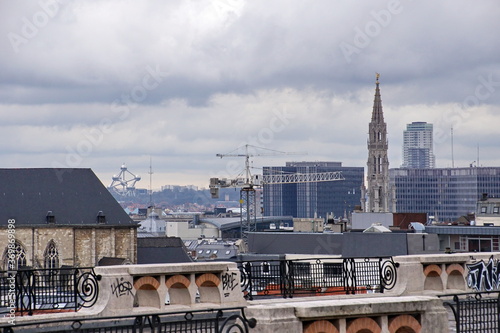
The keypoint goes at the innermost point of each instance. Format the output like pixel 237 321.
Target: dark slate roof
pixel 159 255
pixel 295 243
pixel 161 250
pixel 75 197
pixel 160 242
pixel 113 261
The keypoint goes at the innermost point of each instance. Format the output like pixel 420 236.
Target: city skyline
pixel 96 85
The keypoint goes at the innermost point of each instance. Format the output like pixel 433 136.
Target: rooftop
pixel 68 196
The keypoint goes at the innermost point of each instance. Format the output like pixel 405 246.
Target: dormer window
pixel 50 218
pixel 101 218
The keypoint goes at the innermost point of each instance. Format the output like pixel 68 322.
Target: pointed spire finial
pixel 377 75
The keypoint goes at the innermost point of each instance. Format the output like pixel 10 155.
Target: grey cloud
pixel 94 57
pixel 227 66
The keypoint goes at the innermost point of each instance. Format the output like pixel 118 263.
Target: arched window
pixel 381 197
pixel 51 256
pixel 15 259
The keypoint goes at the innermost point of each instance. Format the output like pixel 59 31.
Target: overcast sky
pixel 95 84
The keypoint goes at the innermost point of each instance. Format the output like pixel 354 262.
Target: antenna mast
pixel 452 158
pixel 151 181
pixel 478 155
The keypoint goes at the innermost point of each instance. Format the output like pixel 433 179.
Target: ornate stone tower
pixel 378 197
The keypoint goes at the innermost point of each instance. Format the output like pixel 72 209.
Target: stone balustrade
pixel 443 273
pixel 361 313
pixel 411 306
pixel 164 287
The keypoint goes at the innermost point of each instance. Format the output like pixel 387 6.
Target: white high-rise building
pixel 418 146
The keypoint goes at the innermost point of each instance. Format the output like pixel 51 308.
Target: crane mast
pixel 248 184
pixel 291 178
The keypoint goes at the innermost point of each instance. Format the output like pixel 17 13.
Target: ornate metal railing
pixel 30 290
pixel 228 320
pixel 476 312
pixel 319 276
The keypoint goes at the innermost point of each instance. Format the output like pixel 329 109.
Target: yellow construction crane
pixel 250 182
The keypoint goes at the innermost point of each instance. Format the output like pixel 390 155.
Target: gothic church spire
pixel 377 113
pixel 378 196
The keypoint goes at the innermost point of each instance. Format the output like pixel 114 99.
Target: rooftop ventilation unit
pixel 50 218
pixel 101 218
pixel 417 227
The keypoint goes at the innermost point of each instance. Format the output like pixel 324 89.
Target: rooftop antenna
pixel 151 181
pixel 452 158
pixel 478 155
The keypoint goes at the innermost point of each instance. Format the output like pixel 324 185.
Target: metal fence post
pixel 498 311
pixel 286 278
pixel 349 275
pixel 75 292
pixel 247 274
pixel 24 290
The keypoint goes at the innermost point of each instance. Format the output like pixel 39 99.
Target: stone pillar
pixel 435 318
pixel 93 249
pixel 116 292
pixel 132 246
pixel 113 235
pixel 275 318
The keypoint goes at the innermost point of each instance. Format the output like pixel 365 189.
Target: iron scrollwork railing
pixel 87 288
pixel 48 289
pixel 322 276
pixel 475 312
pixel 236 323
pixel 388 273
pixel 227 320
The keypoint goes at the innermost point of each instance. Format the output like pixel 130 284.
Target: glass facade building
pixel 309 199
pixel 445 193
pixel 418 146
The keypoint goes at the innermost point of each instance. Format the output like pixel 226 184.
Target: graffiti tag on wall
pixel 121 288
pixel 484 277
pixel 229 281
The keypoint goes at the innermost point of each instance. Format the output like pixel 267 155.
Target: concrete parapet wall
pixel 412 303
pixel 437 274
pixel 351 314
pixel 163 287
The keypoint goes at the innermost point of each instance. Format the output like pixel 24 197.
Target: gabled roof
pixel 158 250
pixel 376 227
pixel 74 196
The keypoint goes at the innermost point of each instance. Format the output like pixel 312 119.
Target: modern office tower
pixel 445 193
pixel 313 199
pixel 378 196
pixel 418 146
